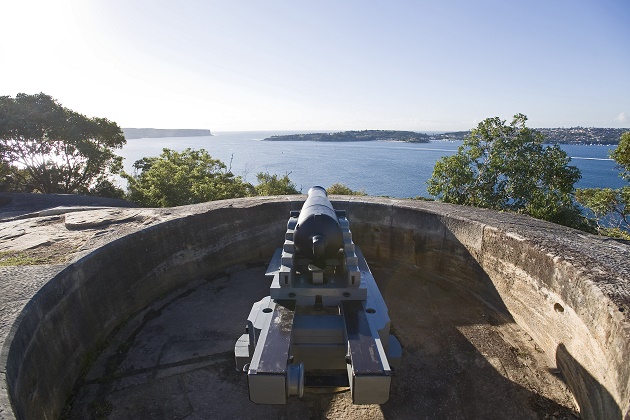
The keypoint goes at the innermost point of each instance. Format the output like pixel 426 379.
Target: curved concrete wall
pixel 570 291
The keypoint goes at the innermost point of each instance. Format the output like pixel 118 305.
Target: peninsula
pixel 364 135
pixel 149 133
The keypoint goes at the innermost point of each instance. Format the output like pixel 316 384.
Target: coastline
pixel 350 136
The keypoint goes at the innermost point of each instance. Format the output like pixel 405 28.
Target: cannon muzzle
pixel 318 235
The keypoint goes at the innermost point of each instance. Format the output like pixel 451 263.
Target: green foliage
pixel 611 207
pixel 507 167
pixel 48 148
pixel 15 179
pixel 621 155
pixel 6 178
pixel 180 178
pixel 342 189
pixel 274 185
pixel 106 188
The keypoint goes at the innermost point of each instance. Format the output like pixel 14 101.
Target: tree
pixel 507 167
pixel 180 178
pixel 611 207
pixel 621 155
pixel 48 148
pixel 274 185
pixel 342 189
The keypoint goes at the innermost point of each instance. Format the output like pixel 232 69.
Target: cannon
pixel 325 322
pixel 318 234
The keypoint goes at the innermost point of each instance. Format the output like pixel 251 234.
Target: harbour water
pixel 394 169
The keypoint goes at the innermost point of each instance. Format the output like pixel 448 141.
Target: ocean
pixel 393 169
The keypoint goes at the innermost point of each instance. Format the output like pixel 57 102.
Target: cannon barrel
pixel 318 234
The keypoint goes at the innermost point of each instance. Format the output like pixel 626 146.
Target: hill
pixel 364 135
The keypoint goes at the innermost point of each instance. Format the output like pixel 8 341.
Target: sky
pixel 237 65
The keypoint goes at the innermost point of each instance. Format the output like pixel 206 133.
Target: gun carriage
pixel 325 321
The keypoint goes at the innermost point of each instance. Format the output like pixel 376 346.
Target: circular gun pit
pixel 175 359
pixel 499 316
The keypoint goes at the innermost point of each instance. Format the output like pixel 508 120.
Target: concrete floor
pixel 461 359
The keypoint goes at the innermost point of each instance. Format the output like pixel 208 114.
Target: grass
pixel 22 258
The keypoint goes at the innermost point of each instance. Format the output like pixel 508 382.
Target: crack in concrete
pixel 217 357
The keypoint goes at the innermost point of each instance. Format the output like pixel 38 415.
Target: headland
pixel 364 135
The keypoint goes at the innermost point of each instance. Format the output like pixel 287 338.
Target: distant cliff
pixel 365 135
pixel 147 133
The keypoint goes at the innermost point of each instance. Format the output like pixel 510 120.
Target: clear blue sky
pixel 323 65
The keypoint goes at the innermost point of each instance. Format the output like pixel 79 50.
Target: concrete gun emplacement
pixel 325 322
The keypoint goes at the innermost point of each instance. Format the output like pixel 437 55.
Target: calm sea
pixel 393 169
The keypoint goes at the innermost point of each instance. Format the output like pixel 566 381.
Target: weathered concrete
pixel 463 359
pixel 25 205
pixel 569 291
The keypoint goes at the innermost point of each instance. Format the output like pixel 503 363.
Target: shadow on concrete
pixel 593 398
pixel 461 383
pixel 175 359
pixel 461 357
